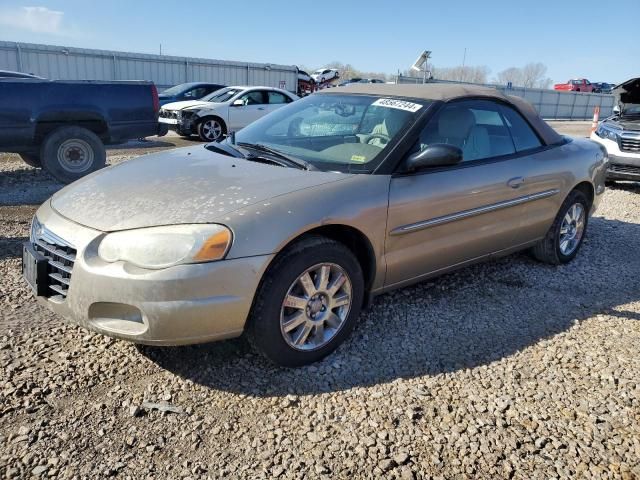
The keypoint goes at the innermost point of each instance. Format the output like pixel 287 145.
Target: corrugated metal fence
pixel 550 104
pixel 67 63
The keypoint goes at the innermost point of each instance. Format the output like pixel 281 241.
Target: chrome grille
pixel 631 145
pixel 631 169
pixel 60 256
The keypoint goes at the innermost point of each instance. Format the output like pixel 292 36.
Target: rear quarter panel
pixel 585 161
pixel 563 167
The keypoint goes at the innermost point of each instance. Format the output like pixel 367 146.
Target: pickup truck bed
pixel 64 125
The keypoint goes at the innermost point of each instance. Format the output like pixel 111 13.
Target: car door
pixel 17 102
pixel 543 176
pixel 443 217
pixel 247 108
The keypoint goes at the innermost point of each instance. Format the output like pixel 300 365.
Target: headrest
pixel 455 122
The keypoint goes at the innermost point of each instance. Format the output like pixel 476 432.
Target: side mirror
pixel 238 103
pixel 436 155
pixel 616 109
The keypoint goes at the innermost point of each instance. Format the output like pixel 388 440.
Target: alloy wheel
pixel 212 130
pixel 572 229
pixel 315 307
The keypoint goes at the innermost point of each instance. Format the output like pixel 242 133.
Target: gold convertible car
pixel 288 228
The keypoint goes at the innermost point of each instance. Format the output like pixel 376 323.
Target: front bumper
pixel 622 165
pixel 181 127
pixel 179 305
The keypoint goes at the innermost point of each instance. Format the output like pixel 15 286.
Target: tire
pixel 69 153
pixel 268 318
pixel 211 129
pixel 550 249
pixel 31 159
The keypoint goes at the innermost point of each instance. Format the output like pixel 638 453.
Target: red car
pixel 576 85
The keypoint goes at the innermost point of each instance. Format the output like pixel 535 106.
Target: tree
pixel 512 74
pixel 532 75
pixel 467 74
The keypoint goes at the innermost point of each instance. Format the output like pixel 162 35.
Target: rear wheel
pixel 31 159
pixel 211 130
pixel 564 238
pixel 69 153
pixel 308 302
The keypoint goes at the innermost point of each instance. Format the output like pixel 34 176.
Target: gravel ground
pixel 510 369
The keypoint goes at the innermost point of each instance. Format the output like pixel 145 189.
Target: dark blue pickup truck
pixel 63 126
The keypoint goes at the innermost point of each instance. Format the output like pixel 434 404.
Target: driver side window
pixel 253 98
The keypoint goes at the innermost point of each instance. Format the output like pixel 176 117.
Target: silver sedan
pixel 286 230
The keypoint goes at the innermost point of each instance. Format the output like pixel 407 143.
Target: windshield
pixel 221 95
pixel 177 90
pixel 341 132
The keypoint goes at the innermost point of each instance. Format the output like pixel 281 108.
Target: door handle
pixel 516 182
pixel 260 108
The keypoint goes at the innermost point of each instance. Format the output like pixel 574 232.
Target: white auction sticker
pixel 399 104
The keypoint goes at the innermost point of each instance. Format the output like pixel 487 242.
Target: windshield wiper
pixel 225 149
pixel 299 163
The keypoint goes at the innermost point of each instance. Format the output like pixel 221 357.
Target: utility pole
pixel 160 49
pixel 464 59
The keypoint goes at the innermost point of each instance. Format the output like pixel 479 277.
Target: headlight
pixel 606 133
pixel 162 247
pixel 178 114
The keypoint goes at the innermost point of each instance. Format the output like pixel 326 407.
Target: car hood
pixel 624 123
pixel 186 104
pixel 628 92
pixel 187 185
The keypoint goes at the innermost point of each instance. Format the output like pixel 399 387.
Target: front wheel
pixel 564 238
pixel 69 153
pixel 308 302
pixel 211 130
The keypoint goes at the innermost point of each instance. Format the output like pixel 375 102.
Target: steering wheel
pixel 381 136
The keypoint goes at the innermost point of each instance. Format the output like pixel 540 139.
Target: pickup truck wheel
pixel 69 153
pixel 211 129
pixel 31 159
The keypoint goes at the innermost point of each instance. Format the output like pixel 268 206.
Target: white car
pixel 325 74
pixel 620 133
pixel 224 111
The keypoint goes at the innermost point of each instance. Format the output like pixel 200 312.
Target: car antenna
pixel 233 138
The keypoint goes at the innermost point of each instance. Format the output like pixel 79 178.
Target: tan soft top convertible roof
pixel 450 91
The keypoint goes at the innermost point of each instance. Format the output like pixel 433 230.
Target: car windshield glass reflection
pixel 176 90
pixel 346 133
pixel 222 95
